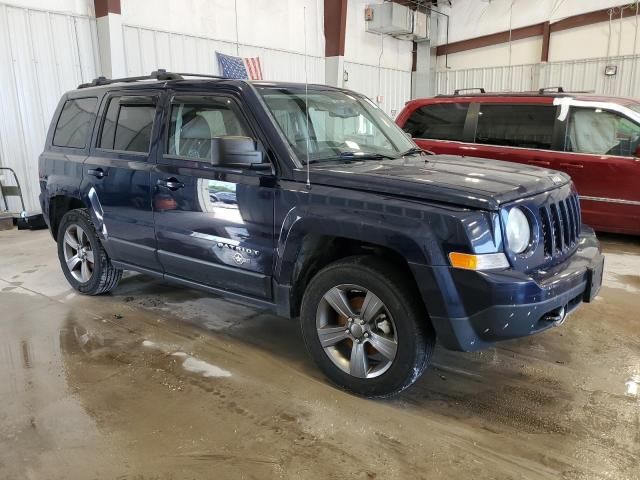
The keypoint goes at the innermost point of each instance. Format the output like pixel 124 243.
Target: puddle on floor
pixel 190 363
pixel 632 386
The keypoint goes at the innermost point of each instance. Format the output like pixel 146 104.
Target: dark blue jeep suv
pixel 309 201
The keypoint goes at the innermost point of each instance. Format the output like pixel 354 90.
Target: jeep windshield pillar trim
pixel 202 182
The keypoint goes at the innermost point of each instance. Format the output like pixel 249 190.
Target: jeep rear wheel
pixel 365 326
pixel 84 261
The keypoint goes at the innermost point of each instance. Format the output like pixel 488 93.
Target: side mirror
pixel 637 152
pixel 235 152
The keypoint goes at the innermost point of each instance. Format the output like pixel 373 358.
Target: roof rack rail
pixel 550 90
pixel 202 75
pixel 160 74
pixel 457 91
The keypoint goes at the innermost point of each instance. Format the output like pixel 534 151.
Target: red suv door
pixel 600 155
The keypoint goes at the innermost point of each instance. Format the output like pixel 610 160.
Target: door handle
pixel 572 165
pixel 170 183
pixel 97 172
pixel 546 163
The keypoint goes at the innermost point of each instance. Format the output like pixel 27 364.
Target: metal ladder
pixel 6 216
pixel 11 191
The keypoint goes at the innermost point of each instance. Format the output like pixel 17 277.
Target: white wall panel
pixel 372 49
pixel 577 75
pixel 589 75
pixel 274 24
pixel 393 85
pixel 473 18
pixel 147 50
pixel 492 79
pixel 43 54
pixel 521 52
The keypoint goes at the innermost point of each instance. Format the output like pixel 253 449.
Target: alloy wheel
pixel 78 253
pixel 356 331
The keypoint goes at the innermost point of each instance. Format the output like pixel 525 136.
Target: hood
pixel 467 181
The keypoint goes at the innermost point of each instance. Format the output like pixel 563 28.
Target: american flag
pixel 236 67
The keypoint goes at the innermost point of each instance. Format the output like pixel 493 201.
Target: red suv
pixel 592 138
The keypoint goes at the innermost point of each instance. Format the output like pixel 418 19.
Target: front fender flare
pixel 300 222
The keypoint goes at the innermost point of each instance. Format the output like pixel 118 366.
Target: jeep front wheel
pixel 365 326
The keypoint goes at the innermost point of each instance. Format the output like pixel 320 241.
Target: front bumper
pixel 472 310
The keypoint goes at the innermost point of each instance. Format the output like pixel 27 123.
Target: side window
pixel 597 131
pixel 526 126
pixel 440 121
pixel 75 122
pixel 128 124
pixel 195 121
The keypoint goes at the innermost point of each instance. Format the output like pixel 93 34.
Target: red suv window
pixel 525 126
pixel 440 121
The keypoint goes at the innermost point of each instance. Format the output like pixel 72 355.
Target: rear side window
pixel 525 126
pixel 128 124
pixel 440 121
pixel 75 122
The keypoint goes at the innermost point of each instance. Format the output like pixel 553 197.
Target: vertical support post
pixel 335 25
pixel 110 38
pixel 546 41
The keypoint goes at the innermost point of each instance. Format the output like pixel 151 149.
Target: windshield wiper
pixel 364 156
pixel 415 151
pixel 353 156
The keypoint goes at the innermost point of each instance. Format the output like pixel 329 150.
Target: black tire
pixel 105 276
pixel 414 334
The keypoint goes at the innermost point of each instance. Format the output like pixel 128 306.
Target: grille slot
pixel 560 225
pixel 546 232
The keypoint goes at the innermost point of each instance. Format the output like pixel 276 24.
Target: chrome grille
pixel 560 225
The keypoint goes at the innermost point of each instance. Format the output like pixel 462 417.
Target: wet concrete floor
pixel 155 381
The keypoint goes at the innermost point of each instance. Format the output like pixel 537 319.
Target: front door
pixel 117 174
pixel 600 157
pixel 214 225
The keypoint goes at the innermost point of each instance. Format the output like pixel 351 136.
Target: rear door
pixel 214 225
pixel 523 133
pixel 117 174
pixel 63 159
pixel 599 155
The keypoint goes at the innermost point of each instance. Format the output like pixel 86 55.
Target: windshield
pixel 341 126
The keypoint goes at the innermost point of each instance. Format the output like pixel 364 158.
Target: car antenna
pixel 306 91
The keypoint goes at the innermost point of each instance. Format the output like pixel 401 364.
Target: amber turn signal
pixel 487 261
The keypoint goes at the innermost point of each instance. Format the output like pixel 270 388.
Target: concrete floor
pixel 157 381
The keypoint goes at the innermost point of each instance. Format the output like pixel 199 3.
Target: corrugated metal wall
pixel 43 54
pixel 589 75
pixel 576 75
pixel 146 50
pixel 492 79
pixel 394 86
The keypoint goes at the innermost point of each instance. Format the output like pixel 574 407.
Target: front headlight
pixel 518 231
